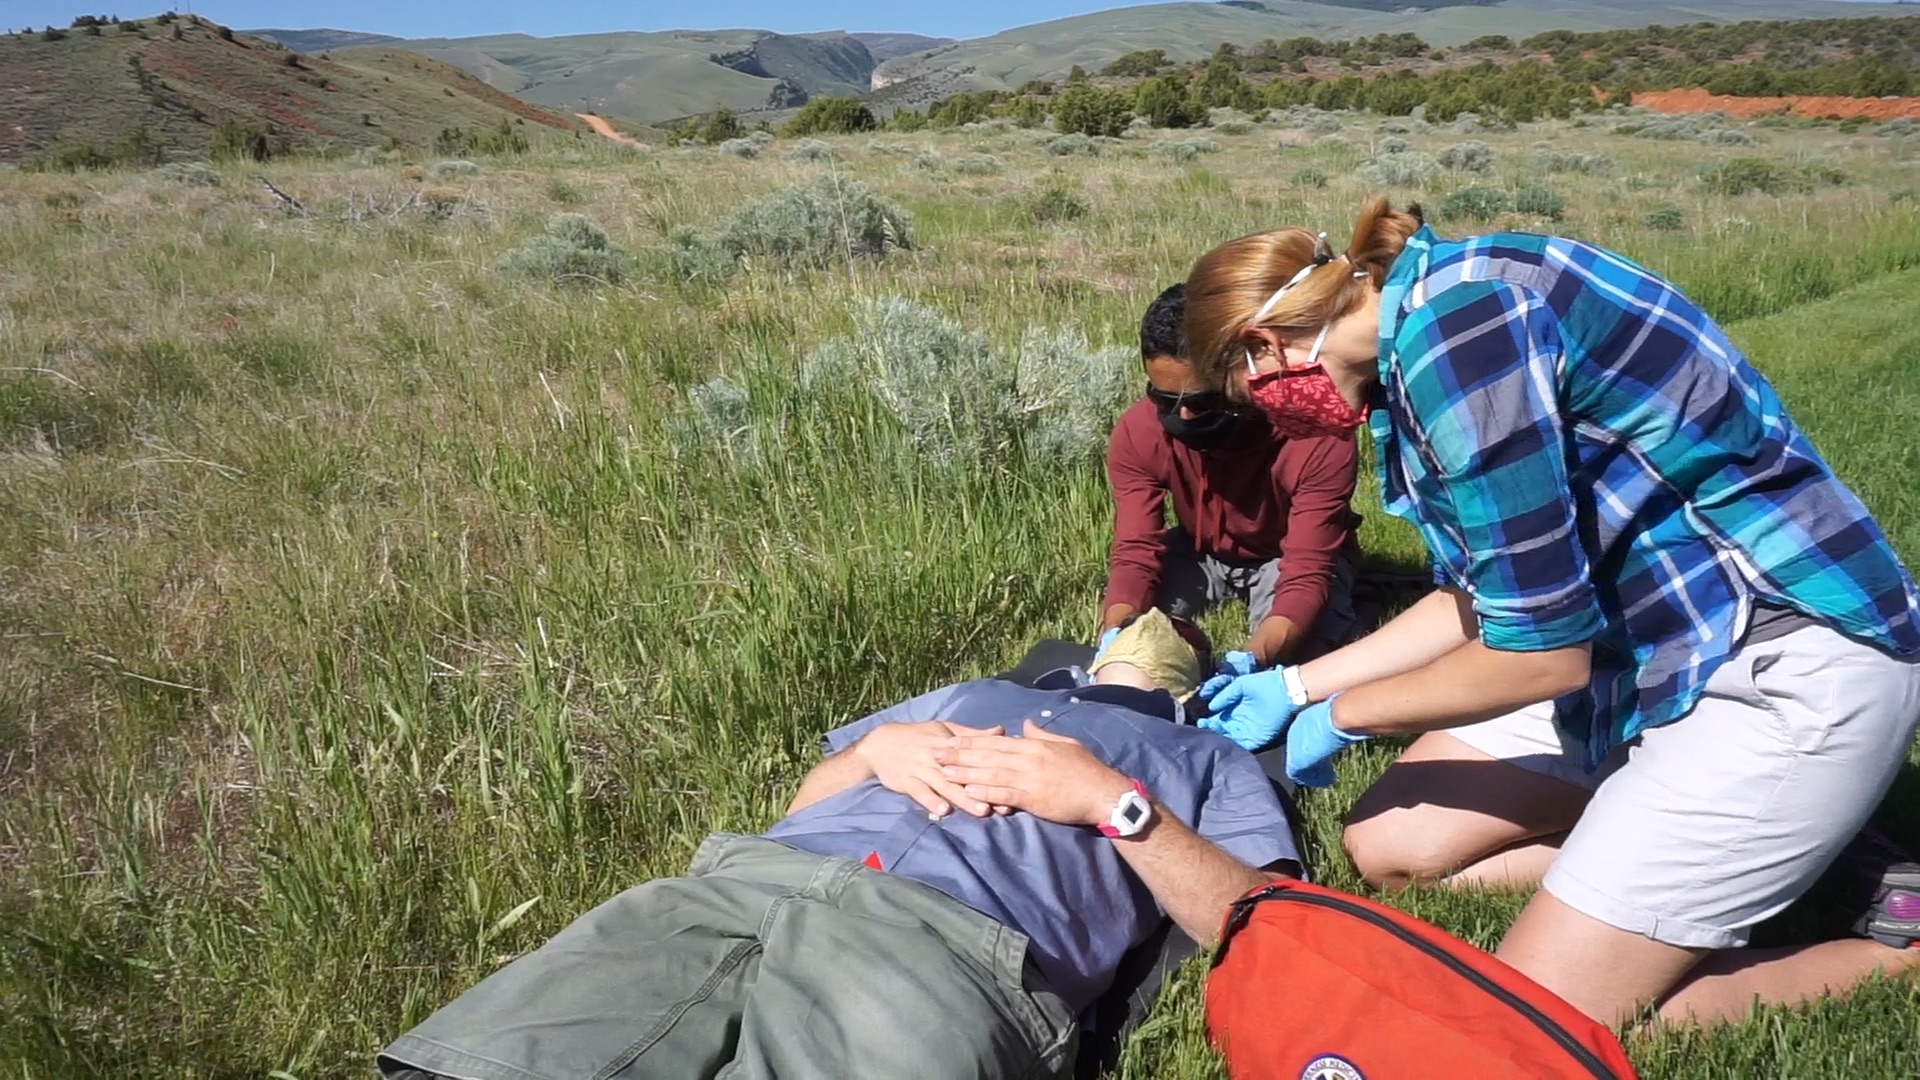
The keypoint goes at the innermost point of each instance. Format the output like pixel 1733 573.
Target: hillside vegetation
pixel 166 88
pixel 1191 31
pixel 1846 66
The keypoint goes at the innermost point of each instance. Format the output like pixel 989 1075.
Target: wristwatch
pixel 1296 689
pixel 1131 814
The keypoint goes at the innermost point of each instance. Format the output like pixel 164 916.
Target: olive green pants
pixel 763 962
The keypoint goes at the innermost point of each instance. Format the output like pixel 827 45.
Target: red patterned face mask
pixel 1303 402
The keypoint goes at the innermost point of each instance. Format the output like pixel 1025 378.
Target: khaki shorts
pixel 1704 827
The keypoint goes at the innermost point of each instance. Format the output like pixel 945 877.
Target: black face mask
pixel 1218 430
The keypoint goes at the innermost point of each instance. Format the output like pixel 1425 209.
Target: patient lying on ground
pixel 954 885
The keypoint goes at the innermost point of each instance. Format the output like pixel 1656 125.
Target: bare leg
pixel 1728 984
pixel 1520 866
pixel 1444 806
pixel 1608 973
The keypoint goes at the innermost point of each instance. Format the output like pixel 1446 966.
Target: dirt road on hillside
pixel 600 125
pixel 1810 108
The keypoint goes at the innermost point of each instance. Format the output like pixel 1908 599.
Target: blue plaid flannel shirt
pixel 1590 459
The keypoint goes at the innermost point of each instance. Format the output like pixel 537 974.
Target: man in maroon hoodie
pixel 1261 518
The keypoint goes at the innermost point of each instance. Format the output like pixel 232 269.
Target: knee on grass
pixel 1394 858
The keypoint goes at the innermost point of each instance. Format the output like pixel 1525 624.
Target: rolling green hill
pixel 1190 31
pixel 660 76
pixel 885 47
pixel 168 86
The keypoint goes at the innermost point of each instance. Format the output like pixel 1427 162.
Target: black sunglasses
pixel 1204 401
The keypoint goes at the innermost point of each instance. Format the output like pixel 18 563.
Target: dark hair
pixel 1163 329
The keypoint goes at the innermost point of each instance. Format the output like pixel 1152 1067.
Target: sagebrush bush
pixel 1411 169
pixel 977 165
pixel 1072 144
pixel 694 259
pixel 191 173
pixel 1394 145
pixel 1900 127
pixel 1590 164
pixel 1054 201
pixel 1665 218
pixel 1539 201
pixel 740 148
pixel 1471 156
pixel 811 150
pixel 1474 204
pixel 1824 176
pixel 1394 127
pixel 455 168
pixel 1234 127
pixel 823 223
pixel 1183 149
pixel 1069 393
pixel 958 398
pixel 717 416
pixel 951 394
pixel 1310 177
pixel 927 162
pixel 1709 128
pixel 1741 176
pixel 573 251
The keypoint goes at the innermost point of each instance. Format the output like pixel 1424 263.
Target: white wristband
pixel 1296 690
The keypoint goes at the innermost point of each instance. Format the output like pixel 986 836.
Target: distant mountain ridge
pixel 320 39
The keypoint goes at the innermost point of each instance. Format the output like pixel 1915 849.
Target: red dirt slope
pixel 1811 108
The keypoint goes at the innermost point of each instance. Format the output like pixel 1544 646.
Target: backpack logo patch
pixel 1331 1067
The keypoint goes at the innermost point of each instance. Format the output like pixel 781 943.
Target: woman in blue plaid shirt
pixel 1670 666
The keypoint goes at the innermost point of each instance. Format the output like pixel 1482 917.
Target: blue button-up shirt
pixel 1587 455
pixel 1064 886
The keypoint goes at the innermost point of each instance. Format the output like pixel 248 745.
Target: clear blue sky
pixel 461 18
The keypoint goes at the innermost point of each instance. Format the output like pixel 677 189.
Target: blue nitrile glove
pixel 1106 640
pixel 1253 710
pixel 1232 667
pixel 1312 740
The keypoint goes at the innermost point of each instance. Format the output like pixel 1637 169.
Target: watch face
pixel 1133 813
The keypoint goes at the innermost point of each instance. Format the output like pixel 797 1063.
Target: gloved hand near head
pixel 1232 666
pixel 1105 642
pixel 1252 710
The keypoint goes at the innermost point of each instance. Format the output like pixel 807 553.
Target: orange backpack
pixel 1313 984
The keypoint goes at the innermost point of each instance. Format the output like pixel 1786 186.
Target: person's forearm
pixel 1193 880
pixel 1115 615
pixel 831 777
pixel 1436 624
pixel 1468 685
pixel 1275 640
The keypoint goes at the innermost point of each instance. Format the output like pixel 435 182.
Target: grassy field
pixel 367 612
